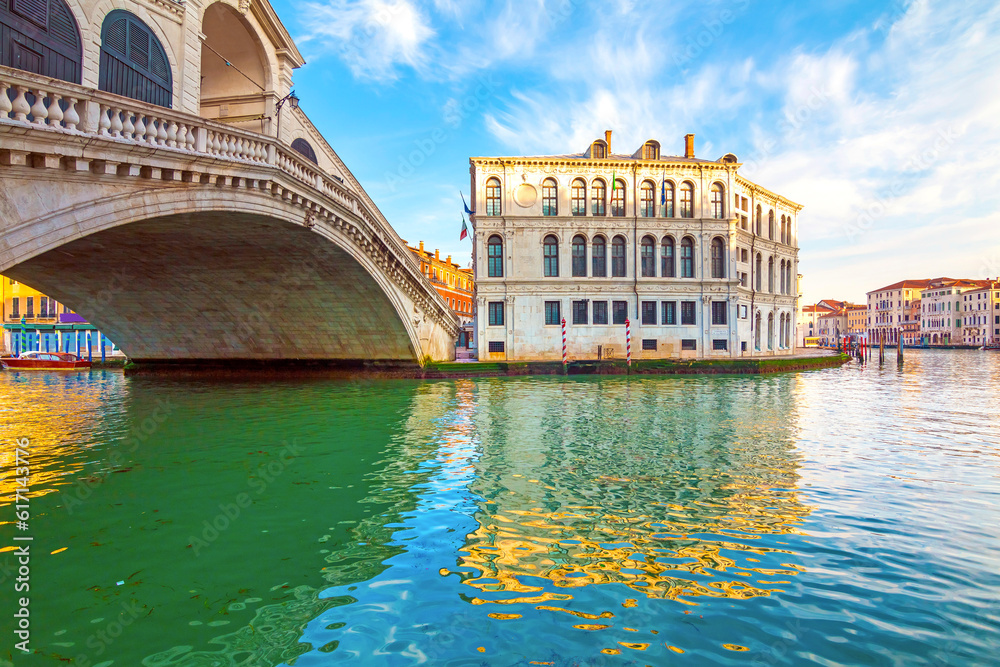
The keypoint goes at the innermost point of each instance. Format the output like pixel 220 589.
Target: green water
pixel 836 517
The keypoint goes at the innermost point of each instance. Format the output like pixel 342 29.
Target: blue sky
pixel 881 118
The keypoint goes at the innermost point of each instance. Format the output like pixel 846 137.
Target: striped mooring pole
pixel 564 340
pixel 628 342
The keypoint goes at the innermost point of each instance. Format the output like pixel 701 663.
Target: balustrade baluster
pixel 116 122
pixel 55 111
pixel 140 128
pixel 20 106
pixel 216 143
pixel 182 135
pixel 5 105
pixel 128 129
pixel 151 131
pixel 38 109
pixel 161 133
pixel 172 135
pixel 104 124
pixel 71 117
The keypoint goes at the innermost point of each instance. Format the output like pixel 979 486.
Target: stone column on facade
pixel 509 322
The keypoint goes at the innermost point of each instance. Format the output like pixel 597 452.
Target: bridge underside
pixel 222 286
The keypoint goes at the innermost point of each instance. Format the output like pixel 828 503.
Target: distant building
pixel 454 284
pixel 808 322
pixel 889 309
pixel 857 322
pixel 981 315
pixel 942 312
pixel 36 321
pixel 697 258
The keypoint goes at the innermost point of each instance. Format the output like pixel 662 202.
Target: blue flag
pixel 663 193
pixel 468 211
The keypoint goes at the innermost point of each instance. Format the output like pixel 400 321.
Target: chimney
pixel 421 246
pixel 448 261
pixel 437 254
pixel 688 145
pixel 607 140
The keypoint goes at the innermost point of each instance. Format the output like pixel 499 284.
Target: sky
pixel 882 118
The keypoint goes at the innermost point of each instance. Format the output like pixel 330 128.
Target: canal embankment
pixel 449 370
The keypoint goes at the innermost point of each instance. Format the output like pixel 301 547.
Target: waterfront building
pixel 981 314
pixel 857 321
pixel 831 327
pixel 697 258
pixel 941 310
pixel 35 321
pixel 456 286
pixel 452 282
pixel 808 323
pixel 890 309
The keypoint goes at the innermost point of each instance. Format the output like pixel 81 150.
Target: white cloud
pixel 372 37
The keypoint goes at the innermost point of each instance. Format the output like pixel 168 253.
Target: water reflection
pixel 663 487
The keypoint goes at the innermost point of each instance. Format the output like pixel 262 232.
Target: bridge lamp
pixel 293 100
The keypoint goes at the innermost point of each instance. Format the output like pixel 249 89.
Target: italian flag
pixel 465 230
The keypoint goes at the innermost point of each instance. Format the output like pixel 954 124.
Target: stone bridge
pixel 183 230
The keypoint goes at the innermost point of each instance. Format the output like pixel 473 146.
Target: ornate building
pixel 700 260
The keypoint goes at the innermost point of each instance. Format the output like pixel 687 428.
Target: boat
pixel 44 361
pixel 991 346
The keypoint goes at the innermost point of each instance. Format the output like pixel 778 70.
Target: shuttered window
pixel 133 62
pixel 40 36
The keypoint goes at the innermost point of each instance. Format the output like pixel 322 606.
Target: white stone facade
pixel 722 249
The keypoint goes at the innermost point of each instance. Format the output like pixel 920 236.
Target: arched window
pixel 718 197
pixel 687 257
pixel 718 259
pixel 598 198
pixel 579 256
pixel 770 225
pixel 133 62
pixel 494 249
pixel 598 150
pixel 667 199
pixel 302 146
pixel 551 256
pixel 781 331
pixel 650 151
pixel 687 200
pixel 770 274
pixel 550 197
pixel 41 36
pixel 618 199
pixel 648 209
pixel 599 257
pixel 756 341
pixel 667 257
pixel 770 331
pixel 579 197
pixel 781 277
pixel 618 257
pixel 647 255
pixel 493 196
pixel 782 229
pixel 756 225
pixel 758 272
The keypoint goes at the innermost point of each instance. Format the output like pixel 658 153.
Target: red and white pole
pixel 628 342
pixel 564 340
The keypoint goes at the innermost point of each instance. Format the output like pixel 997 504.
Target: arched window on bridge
pixel 235 72
pixel 133 62
pixel 302 146
pixel 40 36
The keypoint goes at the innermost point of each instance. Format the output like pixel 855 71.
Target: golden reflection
pixel 595 487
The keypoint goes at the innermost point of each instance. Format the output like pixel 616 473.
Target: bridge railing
pixel 52 105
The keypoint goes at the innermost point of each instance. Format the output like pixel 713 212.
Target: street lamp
pixel 292 99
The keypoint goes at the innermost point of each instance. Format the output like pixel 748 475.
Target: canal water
pixel 846 516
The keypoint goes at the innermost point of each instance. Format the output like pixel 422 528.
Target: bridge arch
pixel 169 276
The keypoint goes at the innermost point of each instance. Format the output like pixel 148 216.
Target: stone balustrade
pixel 57 106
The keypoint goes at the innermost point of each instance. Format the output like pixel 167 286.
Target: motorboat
pixel 44 361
